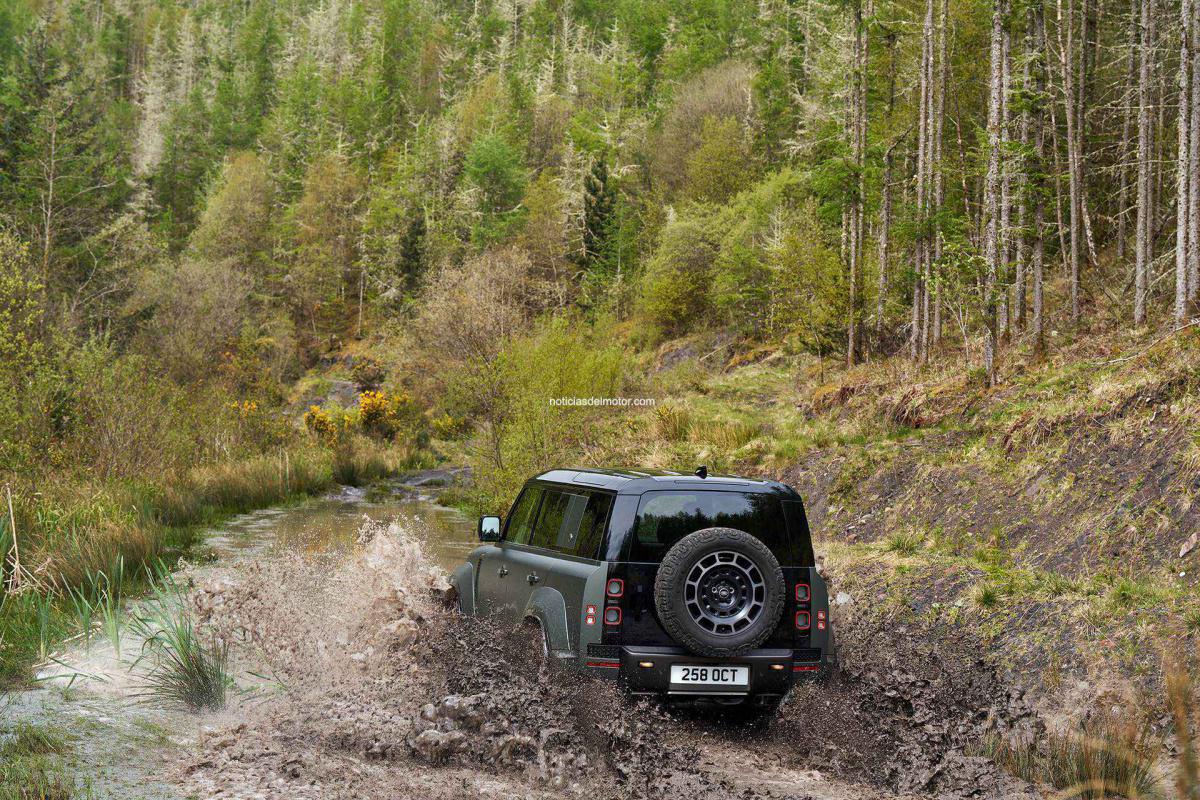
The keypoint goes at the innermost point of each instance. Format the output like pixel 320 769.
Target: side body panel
pixel 463 581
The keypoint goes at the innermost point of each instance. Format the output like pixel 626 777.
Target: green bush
pixel 675 289
pixel 523 431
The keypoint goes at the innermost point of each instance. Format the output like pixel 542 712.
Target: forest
pixel 215 213
pixel 937 264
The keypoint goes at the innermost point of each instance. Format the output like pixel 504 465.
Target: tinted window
pixel 666 517
pixel 520 520
pixel 572 522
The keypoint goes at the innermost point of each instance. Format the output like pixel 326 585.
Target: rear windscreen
pixel 664 518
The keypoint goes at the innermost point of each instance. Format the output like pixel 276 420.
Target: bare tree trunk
pixel 1005 187
pixel 1182 179
pixel 1145 215
pixel 1194 165
pixel 1127 116
pixel 991 191
pixel 1070 108
pixel 921 250
pixel 939 180
pixel 883 242
pixel 1038 254
pixel 1021 166
pixel 857 210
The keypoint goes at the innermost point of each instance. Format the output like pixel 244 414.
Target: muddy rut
pixel 367 684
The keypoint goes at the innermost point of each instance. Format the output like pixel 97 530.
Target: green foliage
pixel 599 201
pixel 526 428
pixel 721 165
pixel 675 289
pixel 495 170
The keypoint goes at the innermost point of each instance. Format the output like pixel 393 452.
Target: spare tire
pixel 719 592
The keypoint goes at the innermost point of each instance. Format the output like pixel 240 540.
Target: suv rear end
pixel 623 633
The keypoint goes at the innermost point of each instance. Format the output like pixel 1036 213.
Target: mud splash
pixel 369 683
pixel 374 684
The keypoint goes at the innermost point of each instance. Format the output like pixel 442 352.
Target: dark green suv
pixel 701 587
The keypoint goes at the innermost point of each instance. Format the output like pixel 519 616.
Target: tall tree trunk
pixel 1194 165
pixel 991 191
pixel 1074 160
pixel 1145 232
pixel 1021 167
pixel 1037 255
pixel 1005 187
pixel 1182 178
pixel 883 242
pixel 858 146
pixel 921 250
pixel 1127 118
pixel 939 179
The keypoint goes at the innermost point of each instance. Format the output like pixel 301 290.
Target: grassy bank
pixel 86 548
pixel 1048 513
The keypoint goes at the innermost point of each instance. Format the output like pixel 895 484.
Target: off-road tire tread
pixel 673 569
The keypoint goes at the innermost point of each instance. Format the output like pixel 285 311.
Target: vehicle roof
pixel 637 481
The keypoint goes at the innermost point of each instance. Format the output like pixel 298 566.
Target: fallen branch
pixel 1150 346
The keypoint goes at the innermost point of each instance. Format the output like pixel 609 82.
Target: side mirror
pixel 489 529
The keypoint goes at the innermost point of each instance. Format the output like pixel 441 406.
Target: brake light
pixel 615 587
pixel 612 616
pixel 802 621
pixel 802 593
pixel 590 616
pixel 820 620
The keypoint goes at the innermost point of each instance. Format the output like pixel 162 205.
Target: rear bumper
pixel 772 671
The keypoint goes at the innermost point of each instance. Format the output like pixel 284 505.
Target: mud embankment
pixel 371 685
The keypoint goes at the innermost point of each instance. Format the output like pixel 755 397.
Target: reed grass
pixel 90 547
pixel 1104 756
pixel 184 671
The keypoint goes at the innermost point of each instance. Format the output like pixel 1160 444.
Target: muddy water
pixel 90 690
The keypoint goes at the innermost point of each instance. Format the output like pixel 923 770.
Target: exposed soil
pixel 378 688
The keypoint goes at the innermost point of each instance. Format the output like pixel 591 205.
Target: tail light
pixel 615 587
pixel 802 621
pixel 820 620
pixel 612 616
pixel 802 593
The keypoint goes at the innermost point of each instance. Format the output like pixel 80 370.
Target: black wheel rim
pixel 725 592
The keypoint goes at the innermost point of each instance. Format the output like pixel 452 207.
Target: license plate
pixel 710 675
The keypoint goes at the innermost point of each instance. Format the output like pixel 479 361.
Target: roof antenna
pixel 702 472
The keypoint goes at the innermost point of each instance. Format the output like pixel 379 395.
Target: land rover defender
pixel 698 587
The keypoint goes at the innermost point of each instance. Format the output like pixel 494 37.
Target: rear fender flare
pixel 547 608
pixel 463 581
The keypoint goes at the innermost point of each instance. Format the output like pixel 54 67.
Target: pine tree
pixel 599 204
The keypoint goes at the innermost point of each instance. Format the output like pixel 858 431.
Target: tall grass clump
pixel 725 435
pixel 185 671
pixel 1181 697
pixel 1103 756
pixel 672 423
pixel 904 542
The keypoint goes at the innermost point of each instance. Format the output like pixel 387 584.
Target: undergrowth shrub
pixel 1102 756
pixel 672 423
pixel 524 429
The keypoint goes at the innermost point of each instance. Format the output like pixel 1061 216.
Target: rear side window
pixel 520 520
pixel 572 522
pixel 664 518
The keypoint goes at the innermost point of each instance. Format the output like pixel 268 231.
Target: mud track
pixel 370 685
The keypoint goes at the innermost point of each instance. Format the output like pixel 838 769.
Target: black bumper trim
pixel 657 679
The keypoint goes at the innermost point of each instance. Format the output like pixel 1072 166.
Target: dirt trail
pixel 380 689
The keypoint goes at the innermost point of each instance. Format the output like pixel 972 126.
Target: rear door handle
pixel 532 578
pixel 502 571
